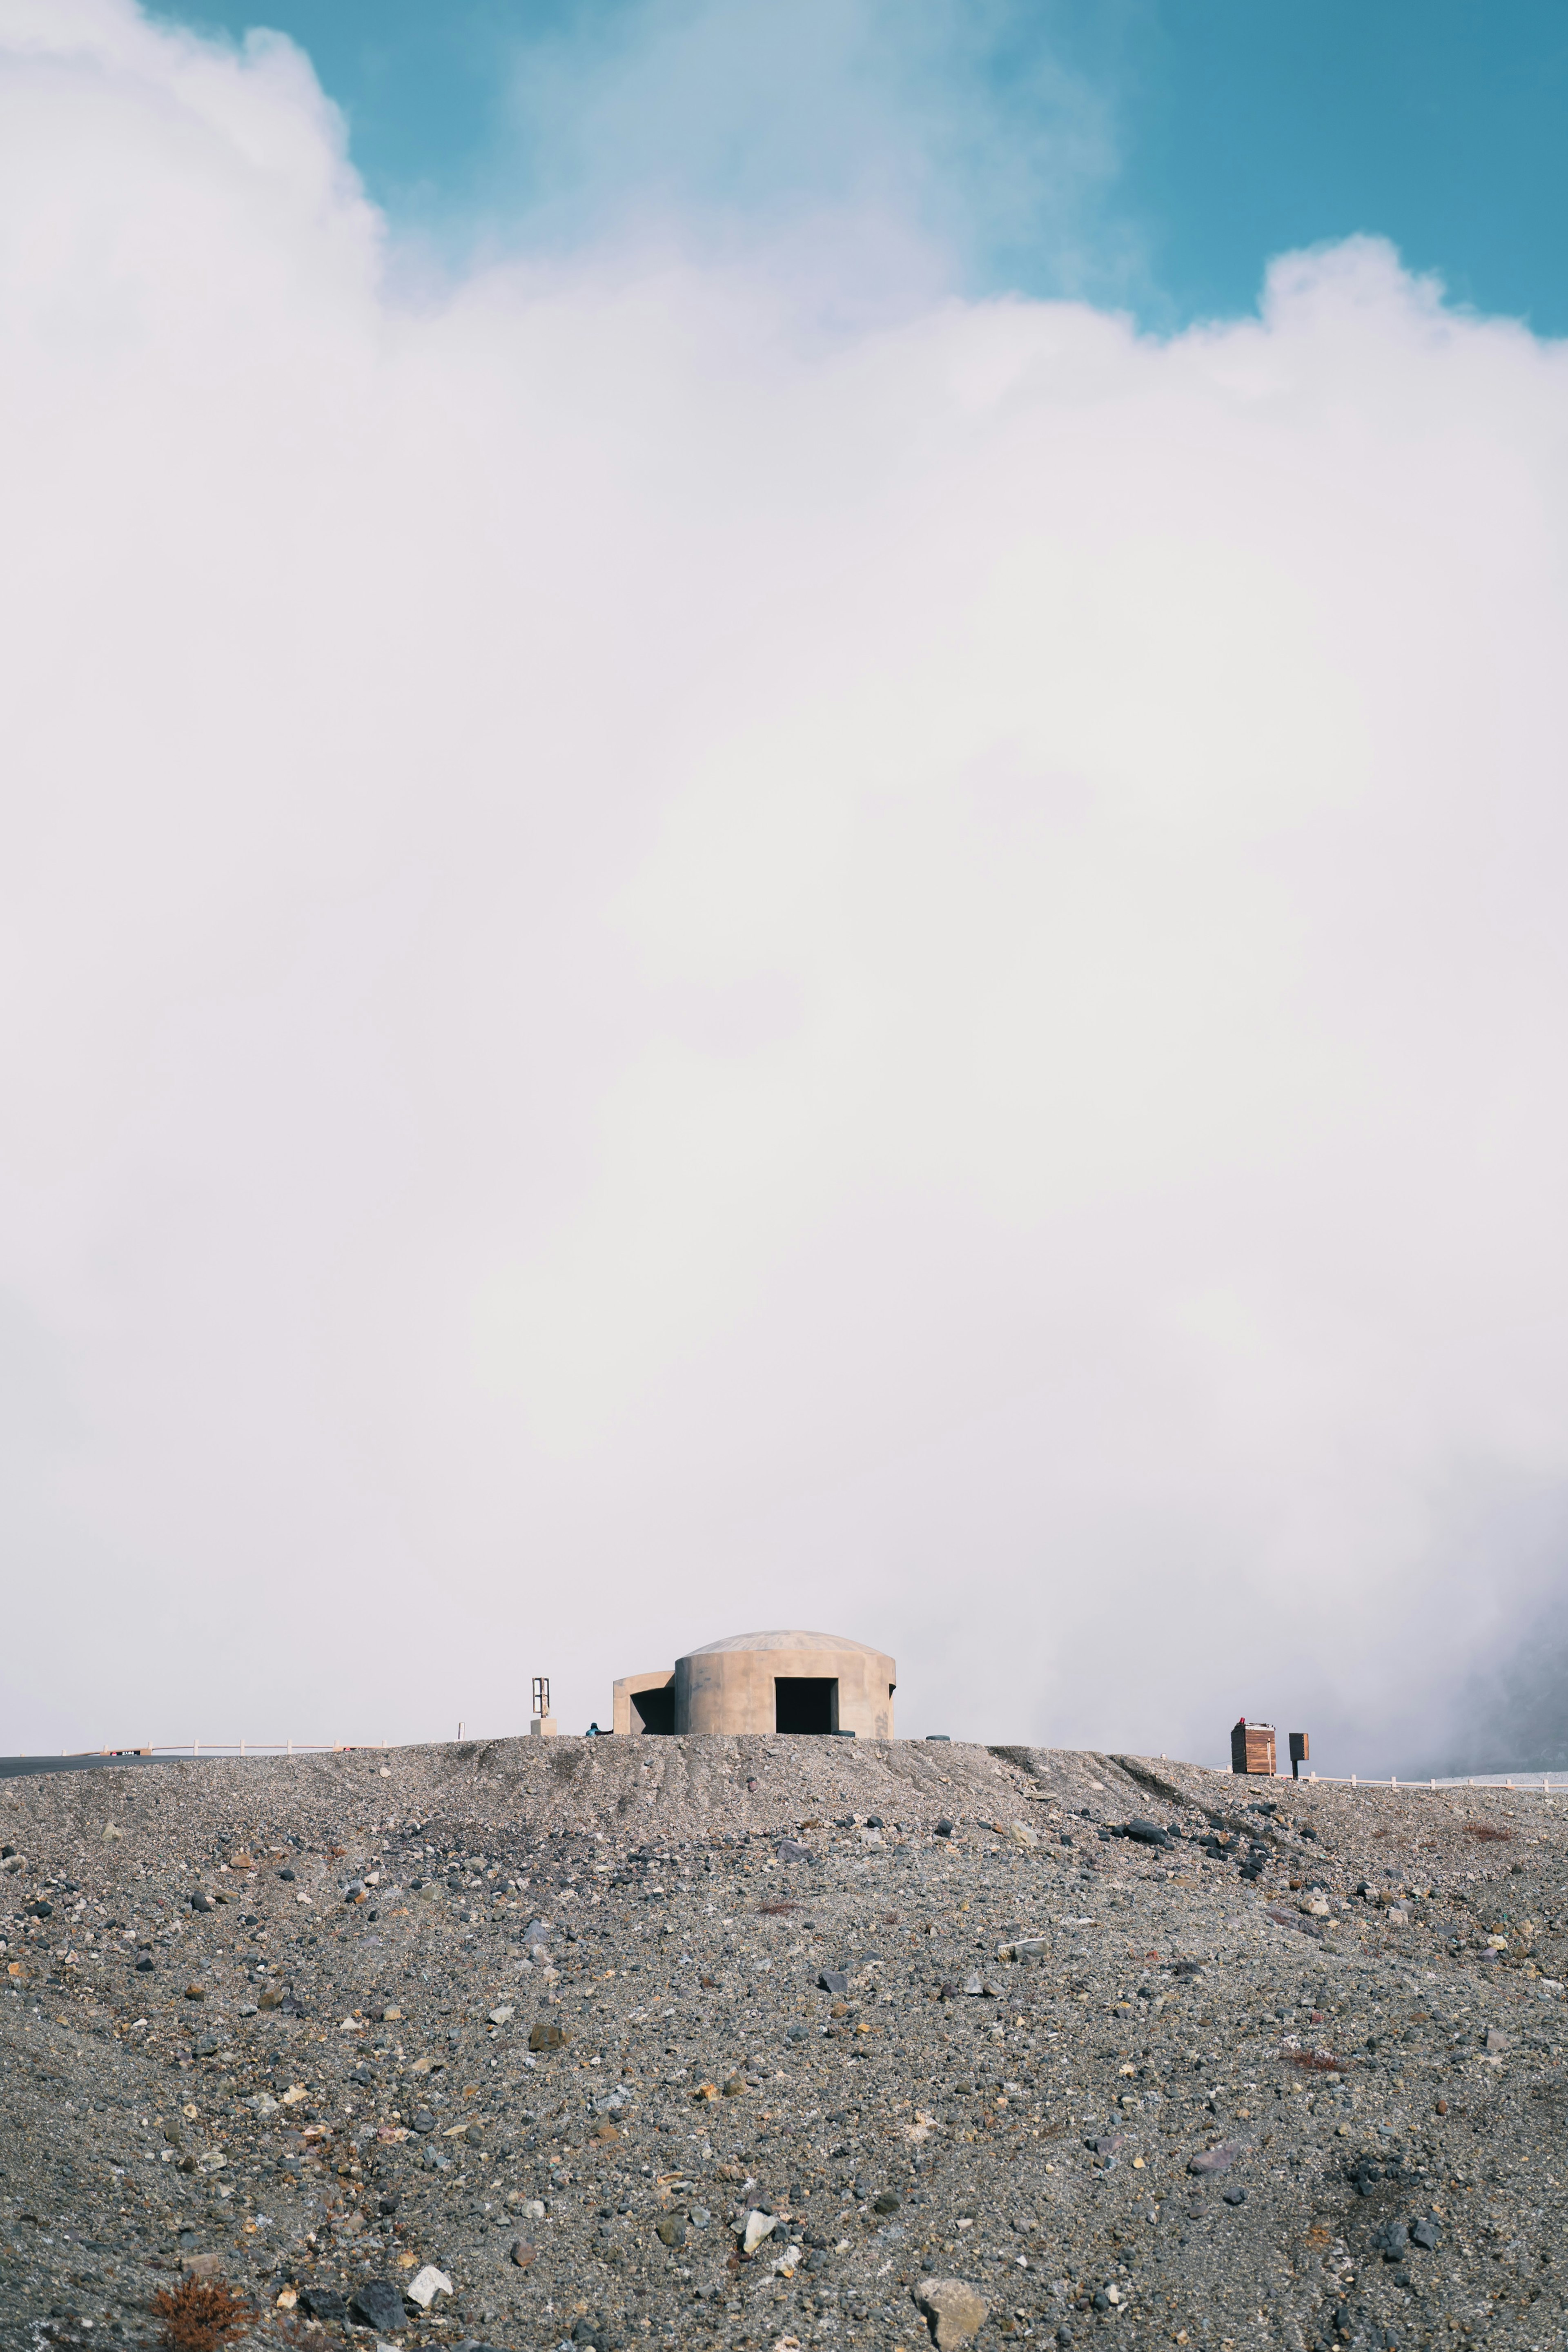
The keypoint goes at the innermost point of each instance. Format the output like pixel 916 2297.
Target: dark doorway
pixel 806 1702
pixel 655 1709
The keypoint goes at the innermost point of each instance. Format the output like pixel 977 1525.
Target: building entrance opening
pixel 806 1702
pixel 655 1709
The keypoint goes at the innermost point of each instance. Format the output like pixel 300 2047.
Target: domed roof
pixel 787 1640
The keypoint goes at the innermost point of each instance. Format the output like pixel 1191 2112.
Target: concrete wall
pixel 732 1690
pixel 625 1718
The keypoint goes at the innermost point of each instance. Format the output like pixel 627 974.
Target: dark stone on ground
pixel 380 2304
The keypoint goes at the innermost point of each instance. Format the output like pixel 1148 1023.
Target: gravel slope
pixel 274 2021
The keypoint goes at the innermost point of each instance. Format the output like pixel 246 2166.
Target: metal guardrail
pixel 235 1748
pixel 250 1747
pixel 1522 1783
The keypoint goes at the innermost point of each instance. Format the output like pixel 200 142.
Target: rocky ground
pixel 750 2042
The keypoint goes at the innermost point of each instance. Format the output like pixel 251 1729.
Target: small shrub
pixel 1490 1836
pixel 200 2315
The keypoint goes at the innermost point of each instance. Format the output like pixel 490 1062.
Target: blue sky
pixel 1155 154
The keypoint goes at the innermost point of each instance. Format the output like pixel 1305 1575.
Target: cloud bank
pixel 677 958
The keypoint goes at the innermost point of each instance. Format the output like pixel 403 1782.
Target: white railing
pixel 256 1746
pixel 247 1747
pixel 235 1748
pixel 1523 1783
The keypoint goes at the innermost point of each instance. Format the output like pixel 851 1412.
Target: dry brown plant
pixel 200 2315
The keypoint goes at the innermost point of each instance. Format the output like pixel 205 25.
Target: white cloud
pixel 664 970
pixel 911 139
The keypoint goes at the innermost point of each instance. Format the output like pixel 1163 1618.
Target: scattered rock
pixel 426 2284
pixel 547 2036
pixel 380 2305
pixel 753 2229
pixel 954 2311
pixel 323 2303
pixel 832 2097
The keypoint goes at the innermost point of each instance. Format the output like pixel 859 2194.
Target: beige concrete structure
pixel 645 1702
pixel 789 1681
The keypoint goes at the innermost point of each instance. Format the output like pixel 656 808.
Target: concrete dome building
pixel 789 1681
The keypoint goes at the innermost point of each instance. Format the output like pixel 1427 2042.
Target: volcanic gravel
pixel 743 2043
